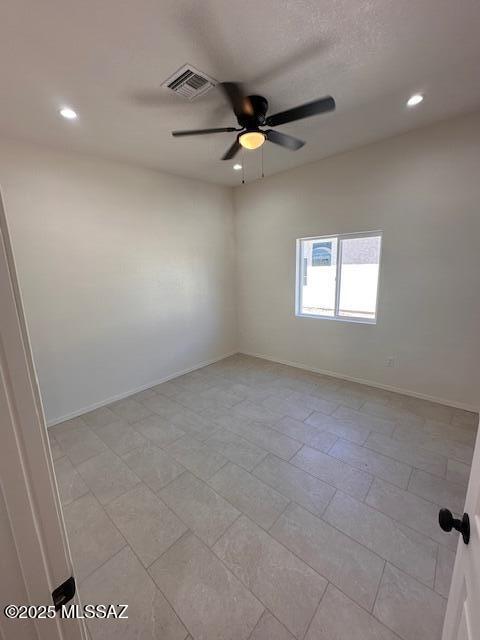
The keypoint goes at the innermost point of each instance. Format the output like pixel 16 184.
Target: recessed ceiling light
pixel 414 100
pixel 68 113
pixel 237 167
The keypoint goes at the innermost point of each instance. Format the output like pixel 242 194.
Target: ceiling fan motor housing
pixel 260 108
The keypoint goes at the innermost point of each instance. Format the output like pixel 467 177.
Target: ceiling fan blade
pixel 303 111
pixel 201 132
pixel 283 140
pixel 239 102
pixel 232 151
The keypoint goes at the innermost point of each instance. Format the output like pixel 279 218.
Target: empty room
pixel 239 320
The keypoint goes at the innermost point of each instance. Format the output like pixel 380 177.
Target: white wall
pixel 423 190
pixel 127 274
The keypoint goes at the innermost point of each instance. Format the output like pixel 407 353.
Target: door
pixel 35 557
pixel 462 620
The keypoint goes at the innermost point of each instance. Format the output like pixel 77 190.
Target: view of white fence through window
pixel 338 276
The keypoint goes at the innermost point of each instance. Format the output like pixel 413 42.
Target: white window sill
pixel 336 318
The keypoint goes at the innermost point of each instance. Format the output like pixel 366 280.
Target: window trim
pixel 300 275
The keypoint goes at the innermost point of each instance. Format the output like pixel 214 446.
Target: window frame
pixel 300 276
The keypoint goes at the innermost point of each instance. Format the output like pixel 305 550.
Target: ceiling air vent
pixel 189 82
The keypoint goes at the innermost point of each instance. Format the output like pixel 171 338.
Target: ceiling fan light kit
pixel 251 114
pixel 251 139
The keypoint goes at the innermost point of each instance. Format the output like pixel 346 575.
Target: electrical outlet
pixel 390 362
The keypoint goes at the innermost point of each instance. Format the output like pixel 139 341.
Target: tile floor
pixel 254 501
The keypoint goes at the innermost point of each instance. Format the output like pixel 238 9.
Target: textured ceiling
pixel 108 58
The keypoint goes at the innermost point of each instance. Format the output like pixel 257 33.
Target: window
pixel 337 276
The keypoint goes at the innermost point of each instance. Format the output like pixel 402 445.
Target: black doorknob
pixel 447 522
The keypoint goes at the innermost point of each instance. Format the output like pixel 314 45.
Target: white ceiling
pixel 108 58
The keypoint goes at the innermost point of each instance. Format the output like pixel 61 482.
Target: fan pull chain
pixel 263 175
pixel 243 165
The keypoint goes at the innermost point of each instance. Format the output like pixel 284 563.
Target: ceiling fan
pixel 251 114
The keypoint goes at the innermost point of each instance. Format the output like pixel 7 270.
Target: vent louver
pixel 189 82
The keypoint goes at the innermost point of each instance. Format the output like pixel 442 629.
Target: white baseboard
pixel 132 392
pixel 370 383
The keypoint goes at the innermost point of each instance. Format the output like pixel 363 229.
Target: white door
pixel 462 620
pixel 34 557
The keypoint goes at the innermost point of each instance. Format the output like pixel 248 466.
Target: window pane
pixel 318 275
pixel 359 277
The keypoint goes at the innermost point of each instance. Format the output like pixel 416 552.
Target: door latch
pixel 65 592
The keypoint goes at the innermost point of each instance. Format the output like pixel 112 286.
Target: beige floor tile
pixel 99 417
pixel 338 427
pixel 167 389
pixel 194 381
pixel 371 462
pixel 255 412
pixel 202 591
pixel 295 484
pixel 160 431
pixel 464 435
pixel 256 415
pixel 408 608
pixel 196 457
pixel 288 385
pixel 123 580
pixel 289 588
pixel 269 628
pixel 200 507
pixel 248 393
pixel 408 453
pixel 266 438
pixel 248 494
pixel 442 446
pixel 70 483
pixel 224 418
pixel 405 548
pixel 314 403
pixel 338 618
pixel 287 407
pixel 162 406
pixel 465 418
pixel 148 525
pixel 212 398
pixel 221 396
pixel 67 425
pixel 130 410
pixel 338 558
pixel 334 393
pixel 458 472
pixel 443 575
pixel 364 420
pixel 194 424
pixel 260 379
pixel 442 492
pixel 236 449
pixel 380 396
pixel 305 433
pixel 120 437
pixel 155 467
pixel 80 444
pixel 107 476
pixel 409 509
pixel 387 412
pixel 429 410
pixel 54 447
pixel 333 471
pixel 92 537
